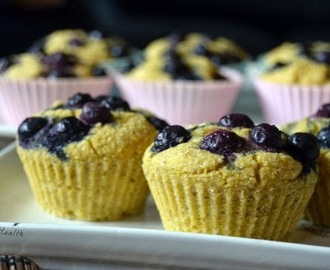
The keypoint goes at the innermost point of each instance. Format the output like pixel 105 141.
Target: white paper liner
pixel 22 98
pixel 183 103
pixel 286 103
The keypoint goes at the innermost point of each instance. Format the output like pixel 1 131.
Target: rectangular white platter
pixel 136 243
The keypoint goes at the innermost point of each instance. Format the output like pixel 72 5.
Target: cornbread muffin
pixel 83 157
pixel 318 124
pixel 231 177
pixel 295 86
pixel 287 52
pixel 54 68
pixel 173 85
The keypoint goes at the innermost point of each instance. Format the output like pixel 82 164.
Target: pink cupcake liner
pixel 281 103
pixel 22 98
pixel 183 103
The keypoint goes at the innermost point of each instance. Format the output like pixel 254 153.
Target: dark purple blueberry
pixel 114 103
pixel 172 56
pixel 64 73
pixel 322 57
pixel 323 111
pixel 94 112
pixel 223 142
pixel 158 123
pixel 170 136
pixel 323 137
pixel 59 61
pixel 30 126
pixel 305 148
pixel 78 100
pixel 118 51
pixel 201 49
pixel 267 137
pixel 76 42
pixel 236 120
pixel 64 132
pixel 98 71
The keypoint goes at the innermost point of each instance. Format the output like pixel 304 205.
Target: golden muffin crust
pixel 300 71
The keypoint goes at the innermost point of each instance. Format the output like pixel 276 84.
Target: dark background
pixel 255 25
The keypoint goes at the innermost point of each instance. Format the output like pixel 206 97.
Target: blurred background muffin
pixel 294 81
pixel 181 87
pixel 55 67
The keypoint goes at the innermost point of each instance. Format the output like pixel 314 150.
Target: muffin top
pixel 64 54
pixel 193 57
pixel 298 63
pixel 234 148
pixel 85 128
pixel 301 71
pixel 317 124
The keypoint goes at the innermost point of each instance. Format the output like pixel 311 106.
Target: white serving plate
pixel 136 243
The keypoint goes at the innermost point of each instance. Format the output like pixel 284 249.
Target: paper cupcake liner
pixel 318 208
pixel 192 206
pixel 97 191
pixel 286 103
pixel 20 99
pixel 180 102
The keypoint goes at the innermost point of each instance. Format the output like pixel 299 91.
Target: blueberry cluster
pixel 174 65
pixel 36 132
pixel 54 134
pixel 218 58
pixel 303 147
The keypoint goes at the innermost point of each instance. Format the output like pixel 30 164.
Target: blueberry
pixel 94 112
pixel 323 137
pixel 267 137
pixel 114 103
pixel 223 142
pixel 59 61
pixel 78 100
pixel 170 136
pixel 201 50
pixel 322 57
pixel 30 126
pixel 64 132
pixel 323 111
pixel 158 123
pixel 236 120
pixel 98 71
pixel 305 148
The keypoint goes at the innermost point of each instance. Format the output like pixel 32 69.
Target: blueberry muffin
pixel 231 177
pixel 318 124
pixel 83 157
